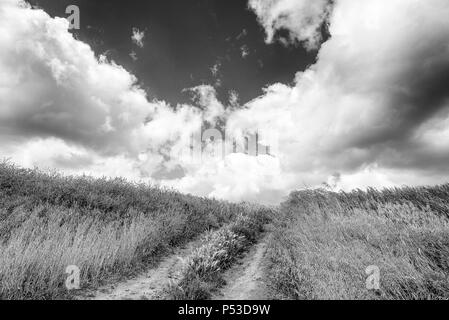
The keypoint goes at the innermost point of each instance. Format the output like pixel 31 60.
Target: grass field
pixel 108 228
pixel 323 242
pixel 320 242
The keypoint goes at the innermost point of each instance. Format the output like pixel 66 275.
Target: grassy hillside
pixel 323 242
pixel 107 228
pixel 321 245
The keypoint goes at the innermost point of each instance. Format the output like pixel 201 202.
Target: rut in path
pixel 149 285
pixel 245 281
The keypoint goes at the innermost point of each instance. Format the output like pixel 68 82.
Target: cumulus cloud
pixel 233 98
pixel 64 108
pixel 244 51
pixel 72 159
pixel 372 111
pixel 137 37
pixel 237 177
pixel 54 87
pixel 377 95
pixel 302 19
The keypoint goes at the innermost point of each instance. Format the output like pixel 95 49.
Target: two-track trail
pixel 148 285
pixel 245 280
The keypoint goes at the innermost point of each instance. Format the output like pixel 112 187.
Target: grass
pixel 320 248
pixel 108 228
pixel 202 272
pixel 324 241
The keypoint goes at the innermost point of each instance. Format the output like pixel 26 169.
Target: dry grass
pixel 323 243
pixel 202 272
pixel 107 228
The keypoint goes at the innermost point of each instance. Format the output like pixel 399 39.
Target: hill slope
pixel 321 243
pixel 324 242
pixel 107 228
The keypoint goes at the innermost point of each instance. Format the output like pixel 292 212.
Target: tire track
pixel 245 281
pixel 149 285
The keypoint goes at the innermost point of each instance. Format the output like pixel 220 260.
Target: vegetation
pixel 219 249
pixel 321 245
pixel 324 241
pixel 108 228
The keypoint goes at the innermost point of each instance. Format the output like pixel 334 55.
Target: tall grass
pixel 203 269
pixel 108 228
pixel 323 243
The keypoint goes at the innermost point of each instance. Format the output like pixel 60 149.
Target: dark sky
pixel 183 40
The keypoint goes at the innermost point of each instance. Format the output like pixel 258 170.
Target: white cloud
pixel 368 101
pixel 301 18
pixel 244 51
pixel 236 177
pixel 205 97
pixel 374 107
pixel 215 69
pixel 69 92
pixel 137 37
pixel 53 88
pixel 233 98
pixel 74 159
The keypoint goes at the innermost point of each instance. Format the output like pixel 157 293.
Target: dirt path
pixel 149 285
pixel 245 281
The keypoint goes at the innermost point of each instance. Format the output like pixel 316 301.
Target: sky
pixel 184 41
pixel 348 93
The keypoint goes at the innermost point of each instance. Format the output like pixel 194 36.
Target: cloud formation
pixel 64 108
pixel 302 19
pixel 376 100
pixel 54 88
pixel 372 111
pixel 137 37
